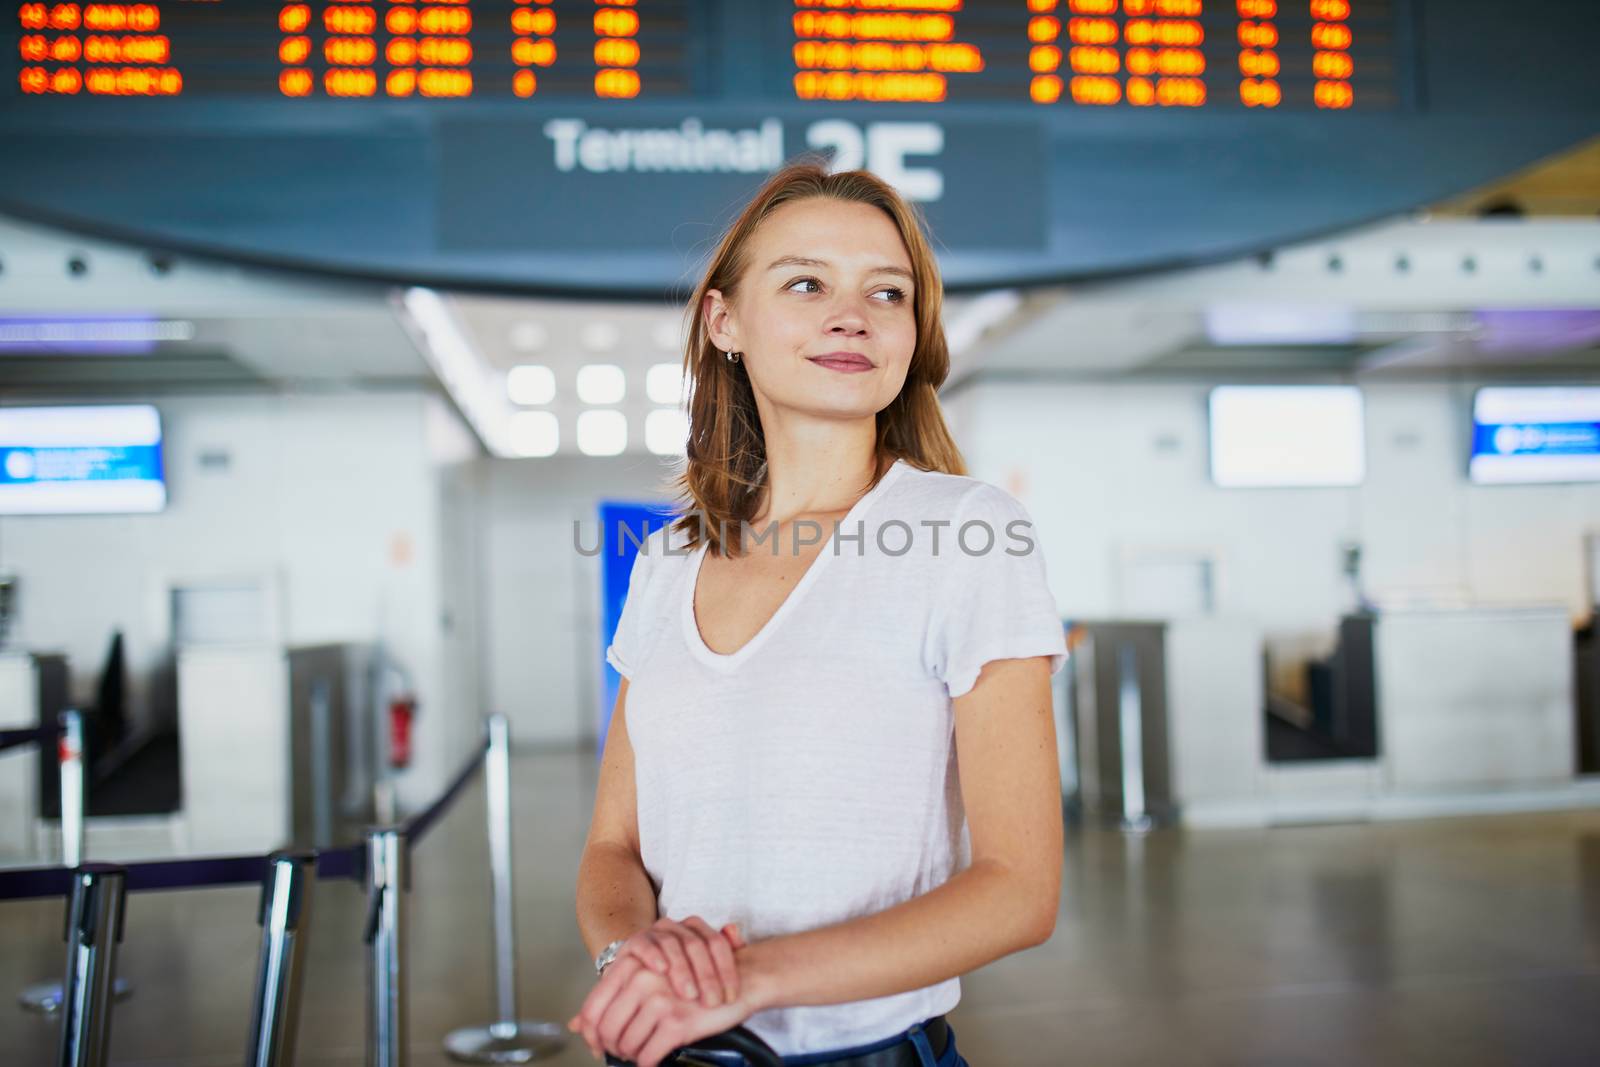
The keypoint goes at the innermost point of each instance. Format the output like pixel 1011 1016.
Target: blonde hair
pixel 726 465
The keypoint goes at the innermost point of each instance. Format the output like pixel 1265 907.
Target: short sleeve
pixel 625 651
pixel 994 599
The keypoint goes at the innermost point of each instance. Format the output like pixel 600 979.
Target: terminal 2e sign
pixel 588 187
pixel 885 148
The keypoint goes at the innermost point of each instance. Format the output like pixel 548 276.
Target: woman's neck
pixel 820 481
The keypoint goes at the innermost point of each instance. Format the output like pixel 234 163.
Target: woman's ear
pixel 718 316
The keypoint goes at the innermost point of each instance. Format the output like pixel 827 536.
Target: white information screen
pixel 1286 436
pixel 81 460
pixel 1536 434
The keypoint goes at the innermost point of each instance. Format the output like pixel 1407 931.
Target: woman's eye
pixel 886 296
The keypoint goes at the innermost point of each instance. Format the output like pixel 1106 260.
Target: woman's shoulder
pixel 954 496
pixel 665 545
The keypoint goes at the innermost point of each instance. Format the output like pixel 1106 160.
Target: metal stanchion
pixel 74 796
pixel 1130 722
pixel 508 1039
pixel 94 927
pixel 285 920
pixel 387 878
pixel 45 997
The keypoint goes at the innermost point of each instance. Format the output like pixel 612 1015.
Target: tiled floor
pixel 1463 941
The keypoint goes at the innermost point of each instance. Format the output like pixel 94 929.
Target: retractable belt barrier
pixel 38 735
pixel 97 895
pixel 97 904
pixel 202 872
pixel 46 998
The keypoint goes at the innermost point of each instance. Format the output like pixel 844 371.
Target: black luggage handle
pixel 756 1052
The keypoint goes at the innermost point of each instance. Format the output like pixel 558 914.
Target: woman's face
pixel 825 278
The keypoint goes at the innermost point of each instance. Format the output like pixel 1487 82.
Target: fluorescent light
pixel 1279 324
pixel 599 336
pixel 668 334
pixel 601 383
pixel 602 433
pixel 534 433
pixel 466 376
pixel 963 329
pixel 531 383
pixel 529 336
pixel 664 383
pixel 666 431
pixel 91 334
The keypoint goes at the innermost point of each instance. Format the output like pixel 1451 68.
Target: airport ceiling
pixel 1443 292
pixel 330 150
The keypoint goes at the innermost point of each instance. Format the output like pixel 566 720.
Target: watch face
pixel 607 954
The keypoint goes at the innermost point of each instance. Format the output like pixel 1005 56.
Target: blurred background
pixel 328 330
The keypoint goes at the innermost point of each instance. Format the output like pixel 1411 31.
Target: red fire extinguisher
pixel 402 711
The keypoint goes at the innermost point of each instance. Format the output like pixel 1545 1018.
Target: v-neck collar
pixel 727 661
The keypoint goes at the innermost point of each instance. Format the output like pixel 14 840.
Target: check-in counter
pixel 1216 694
pixel 1476 698
pixel 233 726
pixel 1474 709
pixel 277 745
pixel 1175 708
pixel 32 689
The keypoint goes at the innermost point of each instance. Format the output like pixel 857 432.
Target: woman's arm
pixel 1004 902
pixel 615 897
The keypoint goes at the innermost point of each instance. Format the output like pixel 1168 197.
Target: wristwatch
pixel 607 955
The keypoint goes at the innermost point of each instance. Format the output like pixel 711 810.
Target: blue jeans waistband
pixel 914 1034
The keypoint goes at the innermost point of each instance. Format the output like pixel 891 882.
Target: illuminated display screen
pixel 1039 54
pixel 599 146
pixel 1332 54
pixel 443 49
pixel 81 460
pixel 1285 436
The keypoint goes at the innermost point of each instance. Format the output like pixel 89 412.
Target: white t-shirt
pixel 810 777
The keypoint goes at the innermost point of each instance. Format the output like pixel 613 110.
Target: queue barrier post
pixel 98 894
pixel 44 998
pixel 1130 732
pixel 94 928
pixel 388 879
pixel 507 1039
pixel 285 920
pixel 74 795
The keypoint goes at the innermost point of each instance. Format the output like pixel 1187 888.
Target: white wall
pixel 541 607
pixel 336 499
pixel 1109 469
pixel 1106 470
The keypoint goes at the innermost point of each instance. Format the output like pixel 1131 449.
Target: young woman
pixel 829 786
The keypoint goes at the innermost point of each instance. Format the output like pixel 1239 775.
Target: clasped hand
pixel 669 985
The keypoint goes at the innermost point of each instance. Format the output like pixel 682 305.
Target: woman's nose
pixel 847 316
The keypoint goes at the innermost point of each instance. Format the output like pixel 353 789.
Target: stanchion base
pixel 45 998
pixel 522 1042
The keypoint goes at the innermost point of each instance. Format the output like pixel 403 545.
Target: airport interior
pixel 335 337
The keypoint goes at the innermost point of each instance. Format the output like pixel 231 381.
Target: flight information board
pixel 1329 54
pixel 598 147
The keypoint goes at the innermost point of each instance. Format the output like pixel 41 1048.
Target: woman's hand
pixel 635 1014
pixel 696 960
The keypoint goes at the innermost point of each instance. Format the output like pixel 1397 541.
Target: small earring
pixel 734 357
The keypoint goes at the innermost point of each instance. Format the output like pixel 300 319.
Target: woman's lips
pixel 844 364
